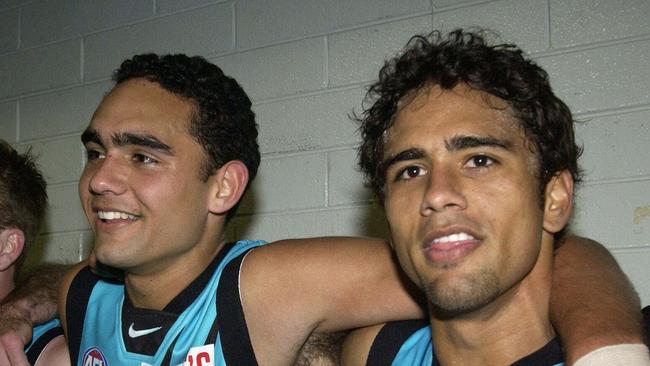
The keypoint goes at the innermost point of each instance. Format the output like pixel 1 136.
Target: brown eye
pixel 144 159
pixel 479 161
pixel 93 155
pixel 410 172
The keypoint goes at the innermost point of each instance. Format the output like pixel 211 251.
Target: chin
pixel 461 296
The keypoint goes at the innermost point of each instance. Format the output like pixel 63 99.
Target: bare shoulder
pixel 357 345
pixel 309 247
pixel 292 288
pixel 300 264
pixel 55 353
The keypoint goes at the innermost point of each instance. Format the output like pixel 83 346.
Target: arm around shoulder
pixel 33 302
pixel 593 304
pixel 327 284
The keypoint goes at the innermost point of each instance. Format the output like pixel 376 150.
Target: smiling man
pixel 475 161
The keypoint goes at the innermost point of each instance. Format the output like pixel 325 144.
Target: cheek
pixel 156 189
pixel 398 221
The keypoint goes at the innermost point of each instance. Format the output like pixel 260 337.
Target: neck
pixel 154 289
pixel 512 326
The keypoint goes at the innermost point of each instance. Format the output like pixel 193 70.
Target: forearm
pixel 35 299
pixel 592 303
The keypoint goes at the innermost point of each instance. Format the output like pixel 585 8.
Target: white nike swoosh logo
pixel 139 333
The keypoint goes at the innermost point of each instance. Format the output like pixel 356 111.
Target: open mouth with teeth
pixel 114 215
pixel 450 248
pixel 453 238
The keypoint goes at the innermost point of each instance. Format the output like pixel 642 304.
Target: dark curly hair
pixel 465 57
pixel 223 122
pixel 23 195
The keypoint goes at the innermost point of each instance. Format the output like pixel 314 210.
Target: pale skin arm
pixel 593 303
pixel 33 302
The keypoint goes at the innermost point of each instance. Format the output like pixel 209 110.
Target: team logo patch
pixel 94 357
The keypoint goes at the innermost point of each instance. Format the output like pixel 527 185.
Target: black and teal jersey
pixel 409 343
pixel 42 335
pixel 204 325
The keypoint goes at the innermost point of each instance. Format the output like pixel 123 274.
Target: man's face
pixel 462 197
pixel 141 188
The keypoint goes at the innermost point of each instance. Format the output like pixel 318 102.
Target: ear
pixel 558 202
pixel 12 242
pixel 228 186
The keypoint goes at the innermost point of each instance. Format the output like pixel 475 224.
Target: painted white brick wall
pixel 204 31
pixel 8 121
pixel 308 122
pixel 60 112
pixel 38 69
pixel 357 55
pixel 523 22
pixel 9 30
pixel 281 70
pixel 305 65
pixel 46 21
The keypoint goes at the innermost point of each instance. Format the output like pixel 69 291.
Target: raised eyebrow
pixel 468 142
pixel 123 139
pixel 409 154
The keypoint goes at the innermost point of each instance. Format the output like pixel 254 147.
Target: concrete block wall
pixel 305 64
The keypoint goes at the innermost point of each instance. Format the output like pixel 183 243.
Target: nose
pixel 105 176
pixel 444 192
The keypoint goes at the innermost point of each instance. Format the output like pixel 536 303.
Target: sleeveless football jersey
pixel 42 335
pixel 409 343
pixel 203 326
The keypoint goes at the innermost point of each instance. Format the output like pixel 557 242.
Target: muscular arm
pixel 592 302
pixel 33 302
pixel 292 288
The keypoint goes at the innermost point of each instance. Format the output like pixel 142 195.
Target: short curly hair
pixel 23 195
pixel 223 122
pixel 465 57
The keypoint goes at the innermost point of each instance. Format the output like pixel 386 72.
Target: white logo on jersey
pixel 200 356
pixel 139 333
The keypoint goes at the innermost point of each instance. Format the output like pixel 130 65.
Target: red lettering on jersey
pixel 200 356
pixel 202 359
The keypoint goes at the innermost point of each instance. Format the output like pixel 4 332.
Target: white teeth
pixel 453 237
pixel 113 215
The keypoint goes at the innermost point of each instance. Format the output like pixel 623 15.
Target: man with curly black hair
pixel 23 201
pixel 170 152
pixel 474 160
